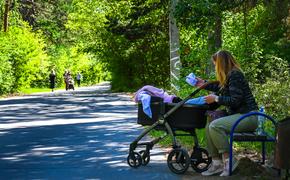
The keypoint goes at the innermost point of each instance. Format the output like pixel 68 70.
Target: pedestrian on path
pixel 52 77
pixel 79 78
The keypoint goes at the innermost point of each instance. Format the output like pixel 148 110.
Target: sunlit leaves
pixel 23 53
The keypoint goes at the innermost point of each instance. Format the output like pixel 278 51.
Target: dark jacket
pixel 52 80
pixel 236 94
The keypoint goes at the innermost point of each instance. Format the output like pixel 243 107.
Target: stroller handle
pixel 188 97
pixel 198 89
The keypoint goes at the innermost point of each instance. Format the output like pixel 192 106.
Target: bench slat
pixel 249 136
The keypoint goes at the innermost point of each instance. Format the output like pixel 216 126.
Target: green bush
pixel 23 57
pixel 274 92
pixel 6 76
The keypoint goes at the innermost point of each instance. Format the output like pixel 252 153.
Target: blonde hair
pixel 224 63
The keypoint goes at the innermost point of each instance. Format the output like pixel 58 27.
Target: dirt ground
pixel 250 165
pixel 249 169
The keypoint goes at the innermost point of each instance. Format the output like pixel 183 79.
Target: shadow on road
pixel 71 136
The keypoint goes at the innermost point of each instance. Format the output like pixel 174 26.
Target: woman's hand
pixel 200 82
pixel 210 98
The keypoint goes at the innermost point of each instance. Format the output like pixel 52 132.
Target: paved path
pixel 82 134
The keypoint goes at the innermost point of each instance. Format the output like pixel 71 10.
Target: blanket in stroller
pixel 144 95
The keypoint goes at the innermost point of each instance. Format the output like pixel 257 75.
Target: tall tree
pixel 6 15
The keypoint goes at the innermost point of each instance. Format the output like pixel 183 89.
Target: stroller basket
pixel 187 117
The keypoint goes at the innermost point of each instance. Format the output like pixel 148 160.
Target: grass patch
pixel 35 90
pixel 187 142
pixel 30 91
pixel 38 90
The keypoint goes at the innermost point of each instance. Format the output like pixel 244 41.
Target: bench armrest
pixel 247 115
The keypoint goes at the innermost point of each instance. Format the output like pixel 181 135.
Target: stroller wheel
pixel 178 161
pixel 200 160
pixel 134 160
pixel 145 155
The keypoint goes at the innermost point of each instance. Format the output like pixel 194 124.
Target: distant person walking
pixel 79 78
pixel 65 77
pixel 52 77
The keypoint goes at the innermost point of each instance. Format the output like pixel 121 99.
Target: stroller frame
pixel 178 159
pixel 69 84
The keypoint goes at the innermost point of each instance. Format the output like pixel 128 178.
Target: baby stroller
pixel 70 84
pixel 170 117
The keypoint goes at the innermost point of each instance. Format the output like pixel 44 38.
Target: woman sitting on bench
pixel 233 92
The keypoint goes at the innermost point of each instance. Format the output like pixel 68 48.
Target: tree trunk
pixel 6 12
pixel 245 15
pixel 214 40
pixel 175 64
pixel 218 32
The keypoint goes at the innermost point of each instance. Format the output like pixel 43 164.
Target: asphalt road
pixel 81 134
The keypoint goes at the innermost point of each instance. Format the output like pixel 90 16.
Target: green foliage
pixel 6 75
pixel 27 55
pixel 145 45
pixel 22 52
pixel 128 37
pixel 50 17
pixel 274 93
pixel 262 62
pixel 72 59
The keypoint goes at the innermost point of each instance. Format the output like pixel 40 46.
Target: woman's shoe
pixel 226 170
pixel 215 168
